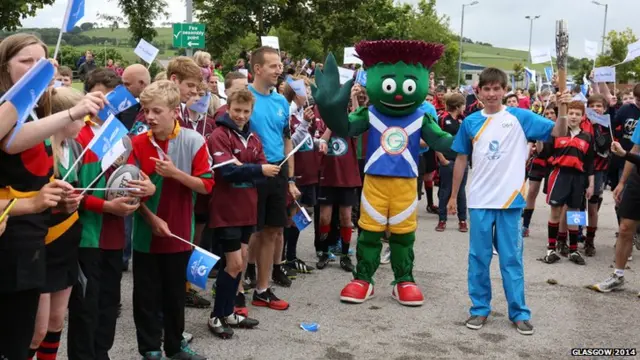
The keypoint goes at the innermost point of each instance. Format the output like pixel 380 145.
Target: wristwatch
pixel 292 180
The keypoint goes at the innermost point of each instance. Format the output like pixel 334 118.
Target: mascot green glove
pixel 397 85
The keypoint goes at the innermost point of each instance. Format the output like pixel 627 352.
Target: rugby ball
pixel 119 179
pixel 122 159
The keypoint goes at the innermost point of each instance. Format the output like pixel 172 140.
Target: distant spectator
pixel 110 64
pixel 88 66
pixel 119 69
pixel 66 75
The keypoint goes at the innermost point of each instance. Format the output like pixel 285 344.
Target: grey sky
pixel 499 22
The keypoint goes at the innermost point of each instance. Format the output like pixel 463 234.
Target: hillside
pixel 472 53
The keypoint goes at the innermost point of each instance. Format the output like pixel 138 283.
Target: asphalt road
pixel 565 315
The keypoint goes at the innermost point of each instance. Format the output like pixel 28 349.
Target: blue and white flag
pixel 361 77
pixel 301 218
pixel 26 92
pixel 577 218
pixel 530 76
pixel 201 106
pixel 548 72
pixel 513 83
pixel 75 12
pixel 200 264
pixel 299 87
pixel 585 85
pixel 109 134
pixel 604 120
pixel 120 99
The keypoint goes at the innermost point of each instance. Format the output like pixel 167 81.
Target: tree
pixel 616 53
pixel 427 25
pixel 141 15
pixel 86 26
pixel 229 21
pixel 518 71
pixel 13 11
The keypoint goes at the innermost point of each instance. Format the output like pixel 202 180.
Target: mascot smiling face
pixel 398 73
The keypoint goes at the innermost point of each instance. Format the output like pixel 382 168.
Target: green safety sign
pixel 188 36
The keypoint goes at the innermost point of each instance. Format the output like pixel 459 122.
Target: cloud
pixel 501 23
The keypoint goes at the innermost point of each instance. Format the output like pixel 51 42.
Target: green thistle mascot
pixel 397 85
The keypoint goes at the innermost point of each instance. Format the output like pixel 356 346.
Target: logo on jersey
pixel 629 127
pixel 337 147
pixel 494 150
pixel 280 113
pixel 507 123
pixel 308 145
pixel 394 140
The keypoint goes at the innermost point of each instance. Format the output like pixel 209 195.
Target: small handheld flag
pixel 120 99
pixel 299 87
pixel 202 105
pixel 548 73
pixel 604 120
pixel 577 218
pixel 301 218
pixel 26 92
pixel 199 267
pixel 75 12
pixel 109 134
pixel 304 141
pixel 361 77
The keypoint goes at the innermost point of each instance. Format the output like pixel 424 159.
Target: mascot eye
pixel 409 86
pixel 389 86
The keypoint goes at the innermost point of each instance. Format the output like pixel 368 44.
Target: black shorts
pixel 308 195
pixel 630 203
pixel 430 164
pixel 62 260
pixel 566 187
pixel 272 200
pixel 537 173
pixel 341 196
pixel 231 238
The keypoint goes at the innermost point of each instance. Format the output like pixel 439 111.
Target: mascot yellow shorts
pixel 389 202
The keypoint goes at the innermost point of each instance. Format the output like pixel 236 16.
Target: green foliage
pixel 141 15
pixel 518 71
pixel 86 26
pixel 616 53
pixel 13 11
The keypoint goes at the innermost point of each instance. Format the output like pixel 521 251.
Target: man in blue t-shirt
pixel 270 121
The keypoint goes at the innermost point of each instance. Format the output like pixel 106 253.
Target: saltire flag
pixel 26 92
pixel 75 12
pixel 120 99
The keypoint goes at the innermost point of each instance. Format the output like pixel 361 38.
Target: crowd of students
pixel 55 236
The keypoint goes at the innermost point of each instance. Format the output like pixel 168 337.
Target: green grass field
pixel 164 34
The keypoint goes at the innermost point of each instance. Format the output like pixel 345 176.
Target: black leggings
pixel 17 322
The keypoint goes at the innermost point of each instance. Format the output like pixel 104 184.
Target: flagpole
pixel 64 25
pixel 75 163
pixel 94 181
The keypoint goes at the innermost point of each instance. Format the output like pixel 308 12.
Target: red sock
pixel 49 346
pixel 345 234
pixel 324 231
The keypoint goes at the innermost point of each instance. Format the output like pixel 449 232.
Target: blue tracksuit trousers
pixel 500 228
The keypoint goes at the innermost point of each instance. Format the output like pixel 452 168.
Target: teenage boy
pixel 537 171
pixel 571 157
pixel 186 74
pixel 270 121
pixel 234 225
pixel 233 82
pixel 94 307
pixel 511 100
pixel 498 136
pixel 602 139
pixel 178 164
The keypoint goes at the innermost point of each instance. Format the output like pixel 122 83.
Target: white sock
pixel 259 291
pixel 619 272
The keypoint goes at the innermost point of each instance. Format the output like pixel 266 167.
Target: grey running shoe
pixel 551 257
pixel 524 327
pixel 614 282
pixel 577 258
pixel 475 322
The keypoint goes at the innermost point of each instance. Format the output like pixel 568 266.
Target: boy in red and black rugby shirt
pixel 538 169
pixel 572 160
pixel 602 145
pixel 338 182
pixel 233 225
